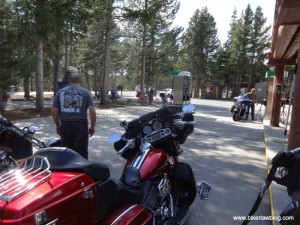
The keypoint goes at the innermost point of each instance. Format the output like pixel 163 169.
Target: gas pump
pixel 182 87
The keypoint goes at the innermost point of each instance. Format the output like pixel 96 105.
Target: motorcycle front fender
pixel 236 109
pixel 129 214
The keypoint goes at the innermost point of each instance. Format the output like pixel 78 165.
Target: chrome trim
pixel 139 160
pixel 88 193
pixel 31 172
pixel 40 217
pixel 156 135
pixel 119 217
pixel 53 222
pixel 172 205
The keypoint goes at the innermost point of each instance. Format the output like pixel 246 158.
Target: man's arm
pixel 92 113
pixel 54 114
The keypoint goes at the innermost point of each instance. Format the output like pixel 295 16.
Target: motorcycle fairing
pixel 62 197
pixel 21 148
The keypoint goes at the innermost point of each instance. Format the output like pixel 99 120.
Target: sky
pixel 222 11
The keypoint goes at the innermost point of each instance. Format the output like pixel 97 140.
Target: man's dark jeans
pixel 74 135
pixel 250 105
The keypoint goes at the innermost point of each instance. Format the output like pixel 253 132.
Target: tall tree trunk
pixel 95 81
pixel 39 105
pixel 1 101
pixel 39 77
pixel 56 64
pixel 143 68
pixel 71 60
pixel 26 87
pixel 105 76
pixel 67 59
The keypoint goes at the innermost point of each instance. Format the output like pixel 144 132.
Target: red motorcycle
pixel 59 187
pixel 142 98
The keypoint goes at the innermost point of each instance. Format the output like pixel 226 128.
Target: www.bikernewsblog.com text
pixel 263 218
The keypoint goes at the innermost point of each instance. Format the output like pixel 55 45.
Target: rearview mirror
pixel 30 129
pixel 114 138
pixel 188 108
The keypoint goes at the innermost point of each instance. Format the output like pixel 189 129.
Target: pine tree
pixel 200 44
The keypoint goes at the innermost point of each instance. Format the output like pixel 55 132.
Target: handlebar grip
pixel 128 144
pixel 181 123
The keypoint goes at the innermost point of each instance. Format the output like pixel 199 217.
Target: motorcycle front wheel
pixel 236 116
pixel 232 109
pixel 166 211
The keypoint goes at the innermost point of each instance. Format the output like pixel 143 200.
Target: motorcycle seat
pixel 113 194
pixel 66 159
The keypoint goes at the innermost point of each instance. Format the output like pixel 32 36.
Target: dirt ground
pixel 30 113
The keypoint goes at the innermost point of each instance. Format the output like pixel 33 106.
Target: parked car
pixel 168 92
pixel 137 88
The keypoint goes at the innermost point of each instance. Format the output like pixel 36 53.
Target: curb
pixel 270 188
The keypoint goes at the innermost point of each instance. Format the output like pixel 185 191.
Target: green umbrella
pixel 181 73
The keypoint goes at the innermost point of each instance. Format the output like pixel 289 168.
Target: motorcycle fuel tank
pixel 150 162
pixel 63 198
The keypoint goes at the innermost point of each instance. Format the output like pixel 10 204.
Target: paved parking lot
pixel 228 155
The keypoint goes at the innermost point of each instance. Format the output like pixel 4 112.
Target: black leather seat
pixel 66 159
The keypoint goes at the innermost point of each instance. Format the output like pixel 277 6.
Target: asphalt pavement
pixel 229 156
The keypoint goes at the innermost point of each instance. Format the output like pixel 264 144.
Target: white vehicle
pixel 138 88
pixel 168 92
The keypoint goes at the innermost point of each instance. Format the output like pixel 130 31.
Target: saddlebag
pixel 35 195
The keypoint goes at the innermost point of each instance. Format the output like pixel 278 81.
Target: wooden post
pixel 270 97
pixel 294 133
pixel 279 72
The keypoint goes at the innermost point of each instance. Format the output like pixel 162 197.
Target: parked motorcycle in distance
pixel 57 186
pixel 163 98
pixel 142 98
pixel 239 108
pixel 17 143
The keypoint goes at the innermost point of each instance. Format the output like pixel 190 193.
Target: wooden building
pixel 211 90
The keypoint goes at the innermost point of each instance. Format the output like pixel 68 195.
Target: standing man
pixel 251 96
pixel 69 113
pixel 150 96
pixel 64 81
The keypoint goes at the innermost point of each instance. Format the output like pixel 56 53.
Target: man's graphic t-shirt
pixel 72 102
